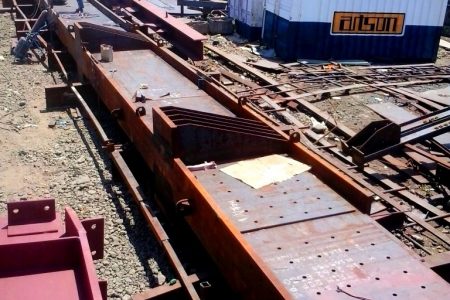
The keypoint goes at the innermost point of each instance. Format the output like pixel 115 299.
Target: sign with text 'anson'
pixel 368 23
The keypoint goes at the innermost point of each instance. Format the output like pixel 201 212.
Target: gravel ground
pixel 65 163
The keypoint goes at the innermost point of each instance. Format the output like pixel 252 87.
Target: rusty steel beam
pixel 187 40
pixel 164 291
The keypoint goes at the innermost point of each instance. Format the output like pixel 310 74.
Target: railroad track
pixel 308 235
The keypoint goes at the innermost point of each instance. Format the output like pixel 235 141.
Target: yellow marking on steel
pixel 368 23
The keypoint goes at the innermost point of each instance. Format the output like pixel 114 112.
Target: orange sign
pixel 368 23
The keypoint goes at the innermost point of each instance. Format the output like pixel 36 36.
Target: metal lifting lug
pixel 140 111
pixel 109 146
pixel 242 100
pixel 294 137
pixel 117 113
pixel 183 207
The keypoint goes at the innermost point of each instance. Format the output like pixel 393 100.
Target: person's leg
pixel 80 6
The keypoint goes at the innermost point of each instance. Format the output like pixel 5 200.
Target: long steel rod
pixel 134 189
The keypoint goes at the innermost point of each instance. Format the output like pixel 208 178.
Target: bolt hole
pixel 373 244
pixel 358 231
pixel 361 264
pixel 304 276
pixel 319 256
pixel 46 208
pixel 394 294
pixel 424 287
pixel 318 198
pixel 406 272
pixel 271 206
pixel 285 193
pixel 297 180
pixel 221 182
pixel 281 217
pixel 261 196
pixel 306 243
pixel 213 174
pixel 388 257
pixel 318 293
pixel 349 285
pixel 307 189
pixel 306 212
pixel 377 278
pixel 229 191
pixel 93 226
pixel 291 262
pixel 330 208
pixel 333 270
pixel 332 237
pixel 346 250
pixel 246 210
pixel 295 202
pixel 238 200
pixel 255 221
pixel 15 211
pixel 279 248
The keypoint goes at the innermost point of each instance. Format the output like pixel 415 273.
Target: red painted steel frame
pixel 40 259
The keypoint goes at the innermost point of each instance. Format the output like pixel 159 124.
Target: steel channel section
pixel 241 260
pixel 188 40
pixel 206 217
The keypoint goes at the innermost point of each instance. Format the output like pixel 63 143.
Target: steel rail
pixel 135 190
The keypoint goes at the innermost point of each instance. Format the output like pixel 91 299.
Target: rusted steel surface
pixel 301 198
pixel 163 88
pixel 92 15
pixel 154 20
pixel 350 252
pixel 42 259
pixel 247 252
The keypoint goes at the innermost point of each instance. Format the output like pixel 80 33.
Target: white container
pixel 106 53
pixel 417 12
pixel 248 15
pixel 374 30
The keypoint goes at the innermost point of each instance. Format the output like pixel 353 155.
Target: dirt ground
pixel 67 163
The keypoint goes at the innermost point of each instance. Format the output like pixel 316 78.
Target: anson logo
pixel 368 23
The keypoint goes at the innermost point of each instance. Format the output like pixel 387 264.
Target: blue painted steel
pixel 249 32
pixel 313 40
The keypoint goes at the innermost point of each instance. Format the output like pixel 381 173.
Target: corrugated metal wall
pixel 249 17
pixel 375 30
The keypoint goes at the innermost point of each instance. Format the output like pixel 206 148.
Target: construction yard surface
pixel 53 154
pixel 299 230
